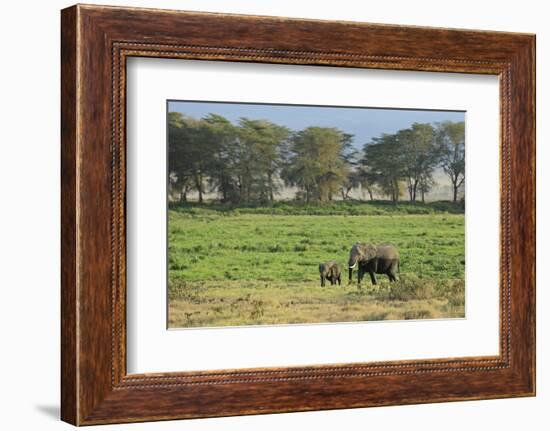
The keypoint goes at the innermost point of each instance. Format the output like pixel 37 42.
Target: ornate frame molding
pixel 96 41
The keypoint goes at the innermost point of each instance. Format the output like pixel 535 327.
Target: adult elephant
pixel 374 259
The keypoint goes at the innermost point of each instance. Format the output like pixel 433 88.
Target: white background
pixel 151 348
pixel 29 225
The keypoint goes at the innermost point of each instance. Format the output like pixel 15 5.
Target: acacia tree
pixel 178 186
pixel 316 162
pixel 350 156
pixel 263 141
pixel 241 163
pixel 245 163
pixel 185 168
pixel 222 137
pixel 451 139
pixel 382 164
pixel 420 155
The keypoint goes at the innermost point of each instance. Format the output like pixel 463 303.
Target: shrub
pixel 349 207
pixel 300 247
pixel 411 287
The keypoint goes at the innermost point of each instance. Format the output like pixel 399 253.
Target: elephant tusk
pixel 354 265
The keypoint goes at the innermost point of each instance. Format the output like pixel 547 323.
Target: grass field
pixel 251 266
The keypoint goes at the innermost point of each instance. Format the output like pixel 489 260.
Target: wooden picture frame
pixel 95 43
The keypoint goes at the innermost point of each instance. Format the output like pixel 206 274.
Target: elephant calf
pixel 331 271
pixel 374 259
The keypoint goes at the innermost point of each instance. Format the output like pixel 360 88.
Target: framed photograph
pixel 264 214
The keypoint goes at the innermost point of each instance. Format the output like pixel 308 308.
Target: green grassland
pixel 259 265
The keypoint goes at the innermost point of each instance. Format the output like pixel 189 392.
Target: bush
pixel 453 291
pixel 349 207
pixel 408 288
pixel 411 287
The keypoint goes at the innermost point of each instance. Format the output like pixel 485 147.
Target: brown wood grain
pixel 69 371
pixel 96 41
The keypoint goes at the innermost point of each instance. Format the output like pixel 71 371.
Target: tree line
pixel 249 162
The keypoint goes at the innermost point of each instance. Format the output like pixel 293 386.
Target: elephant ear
pixel 370 251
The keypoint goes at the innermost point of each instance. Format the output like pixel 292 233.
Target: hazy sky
pixel 363 123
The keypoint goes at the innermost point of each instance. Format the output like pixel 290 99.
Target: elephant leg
pixel 322 281
pixel 331 281
pixel 392 272
pixel 372 277
pixel 339 280
pixel 360 274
